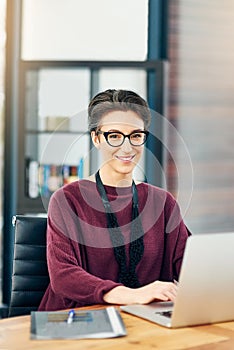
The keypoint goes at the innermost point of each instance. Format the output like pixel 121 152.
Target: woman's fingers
pixel 165 291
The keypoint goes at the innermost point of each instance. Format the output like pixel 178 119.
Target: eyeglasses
pixel 117 138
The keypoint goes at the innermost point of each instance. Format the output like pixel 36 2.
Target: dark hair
pixel 114 100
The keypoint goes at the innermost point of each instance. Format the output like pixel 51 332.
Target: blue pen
pixel 71 315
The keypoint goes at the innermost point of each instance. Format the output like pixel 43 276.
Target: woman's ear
pixel 95 139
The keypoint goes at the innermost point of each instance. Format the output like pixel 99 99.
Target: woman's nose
pixel 126 146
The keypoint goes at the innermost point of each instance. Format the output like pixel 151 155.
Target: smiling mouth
pixel 125 158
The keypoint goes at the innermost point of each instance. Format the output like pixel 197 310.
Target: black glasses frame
pixel 107 133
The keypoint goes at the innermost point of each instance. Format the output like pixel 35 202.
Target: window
pixel 84 30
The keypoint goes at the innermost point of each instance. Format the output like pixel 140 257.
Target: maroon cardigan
pixel 81 261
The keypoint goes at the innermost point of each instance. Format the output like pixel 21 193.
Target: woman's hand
pixel 155 291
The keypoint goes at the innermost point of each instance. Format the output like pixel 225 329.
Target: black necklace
pixel 127 276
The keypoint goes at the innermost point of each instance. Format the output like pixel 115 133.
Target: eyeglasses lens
pixel 117 139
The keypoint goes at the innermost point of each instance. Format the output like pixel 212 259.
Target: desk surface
pixel 142 334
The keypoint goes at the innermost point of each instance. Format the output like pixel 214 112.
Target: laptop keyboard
pixel 165 313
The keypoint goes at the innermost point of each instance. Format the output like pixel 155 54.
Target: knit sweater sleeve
pixel 176 234
pixel 68 277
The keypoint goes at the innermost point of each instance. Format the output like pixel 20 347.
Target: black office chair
pixel 30 274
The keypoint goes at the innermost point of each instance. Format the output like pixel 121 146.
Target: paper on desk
pixel 102 323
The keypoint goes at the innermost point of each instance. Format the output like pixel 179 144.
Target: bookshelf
pixel 55 148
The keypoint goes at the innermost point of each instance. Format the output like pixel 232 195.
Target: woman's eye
pixel 136 136
pixel 115 136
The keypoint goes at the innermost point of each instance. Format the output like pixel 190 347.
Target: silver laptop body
pixel 206 285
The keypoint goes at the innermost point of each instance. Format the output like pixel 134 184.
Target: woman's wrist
pixel 121 295
pixel 163 291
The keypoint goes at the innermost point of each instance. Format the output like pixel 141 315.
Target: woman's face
pixel 119 160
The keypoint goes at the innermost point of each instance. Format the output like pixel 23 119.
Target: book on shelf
pixel 69 173
pixel 44 179
pixel 31 176
pixel 92 323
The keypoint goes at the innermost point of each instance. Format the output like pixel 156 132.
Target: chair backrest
pixel 30 274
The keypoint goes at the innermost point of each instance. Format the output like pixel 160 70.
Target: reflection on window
pixel 63 98
pixel 125 78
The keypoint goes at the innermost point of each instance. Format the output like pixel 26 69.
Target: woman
pixel 109 239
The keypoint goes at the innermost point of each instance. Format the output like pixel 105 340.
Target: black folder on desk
pixel 100 323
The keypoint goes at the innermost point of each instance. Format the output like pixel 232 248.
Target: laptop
pixel 206 285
